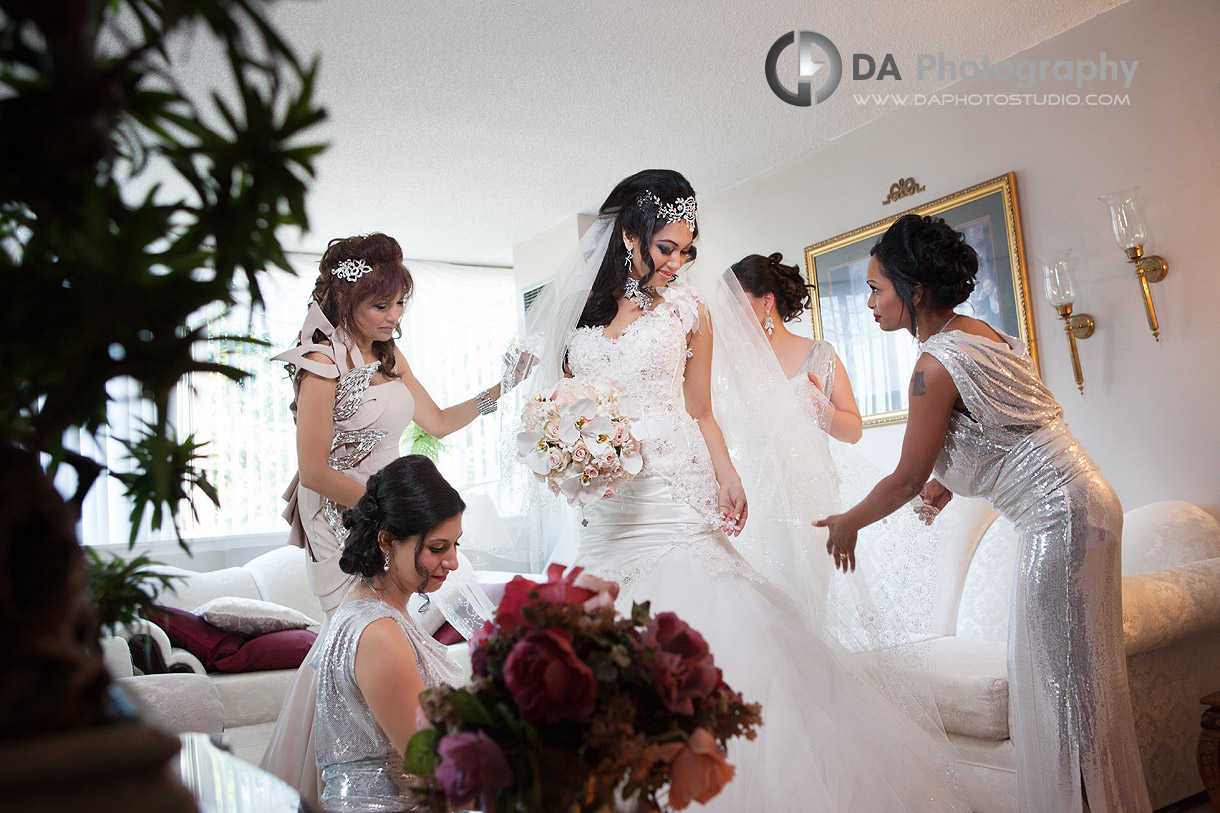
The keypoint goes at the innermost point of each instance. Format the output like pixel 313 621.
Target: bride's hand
pixel 733 509
pixel 841 544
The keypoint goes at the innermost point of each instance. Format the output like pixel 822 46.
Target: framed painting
pixel 878 363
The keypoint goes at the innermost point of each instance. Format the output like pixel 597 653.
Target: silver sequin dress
pixel 1067 668
pixel 361 770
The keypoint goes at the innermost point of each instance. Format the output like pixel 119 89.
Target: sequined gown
pixel 368 422
pixel 829 741
pixel 1067 668
pixel 361 769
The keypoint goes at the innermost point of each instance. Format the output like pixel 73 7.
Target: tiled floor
pixel 1195 804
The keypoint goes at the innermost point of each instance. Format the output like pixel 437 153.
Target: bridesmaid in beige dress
pixel 355 394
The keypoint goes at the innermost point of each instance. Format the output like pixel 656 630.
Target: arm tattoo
pixel 917 385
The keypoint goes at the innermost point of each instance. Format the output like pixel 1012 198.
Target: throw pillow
pixel 190 632
pixel 251 617
pixel 275 650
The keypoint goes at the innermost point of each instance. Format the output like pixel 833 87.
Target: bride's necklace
pixel 942 328
pixel 640 295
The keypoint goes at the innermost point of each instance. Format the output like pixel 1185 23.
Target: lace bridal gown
pixel 830 741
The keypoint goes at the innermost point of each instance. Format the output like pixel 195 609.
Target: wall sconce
pixel 1130 233
pixel 1061 293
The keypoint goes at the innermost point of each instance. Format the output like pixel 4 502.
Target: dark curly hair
pixel 927 252
pixel 407 498
pixel 339 298
pixel 761 275
pixel 640 222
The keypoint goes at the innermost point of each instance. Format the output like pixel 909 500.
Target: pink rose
pixel 551 429
pixel 553 486
pixel 547 679
pixel 591 472
pixel 699 771
pixel 472 767
pixel 557 589
pixel 580 452
pixel 682 667
pixel 555 459
pixel 616 471
pixel 621 435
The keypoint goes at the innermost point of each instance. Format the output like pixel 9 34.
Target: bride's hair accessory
pixel 639 294
pixel 351 270
pixel 681 209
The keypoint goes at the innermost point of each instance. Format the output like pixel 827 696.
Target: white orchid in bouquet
pixel 578 438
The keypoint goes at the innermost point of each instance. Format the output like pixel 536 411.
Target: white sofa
pixel 1171 619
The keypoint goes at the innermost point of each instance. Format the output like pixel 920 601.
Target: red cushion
pixel 190 632
pixel 448 634
pixel 285 649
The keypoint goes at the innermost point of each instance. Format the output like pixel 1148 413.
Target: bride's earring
pixel 769 323
pixel 630 257
pixel 386 566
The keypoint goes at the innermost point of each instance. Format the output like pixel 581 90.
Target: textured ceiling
pixel 463 128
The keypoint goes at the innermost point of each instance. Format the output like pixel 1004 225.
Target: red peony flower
pixel 557 589
pixel 478 655
pixel 699 771
pixel 682 668
pixel 547 679
pixel 472 768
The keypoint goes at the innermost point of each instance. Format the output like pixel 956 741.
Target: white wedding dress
pixel 830 741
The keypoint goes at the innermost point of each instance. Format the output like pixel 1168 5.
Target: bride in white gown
pixel 831 740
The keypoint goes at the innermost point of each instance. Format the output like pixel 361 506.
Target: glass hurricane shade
pixel 1059 281
pixel 1125 217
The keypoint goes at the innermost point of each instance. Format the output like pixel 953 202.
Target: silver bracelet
pixel 486 403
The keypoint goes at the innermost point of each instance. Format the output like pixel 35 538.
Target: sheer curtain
pixel 455 329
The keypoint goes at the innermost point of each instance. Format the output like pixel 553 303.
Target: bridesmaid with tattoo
pixel 982 421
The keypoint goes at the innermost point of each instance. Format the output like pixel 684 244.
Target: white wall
pixel 1147 415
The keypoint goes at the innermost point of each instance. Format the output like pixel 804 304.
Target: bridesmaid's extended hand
pixel 841 544
pixel 733 508
pixel 813 379
pixel 932 500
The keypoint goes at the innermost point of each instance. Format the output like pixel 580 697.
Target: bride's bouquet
pixel 570 707
pixel 578 439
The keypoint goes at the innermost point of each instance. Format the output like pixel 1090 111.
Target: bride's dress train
pixel 830 741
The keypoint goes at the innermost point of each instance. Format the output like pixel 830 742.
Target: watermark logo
pixel 810 45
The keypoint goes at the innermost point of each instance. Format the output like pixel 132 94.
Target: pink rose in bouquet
pixel 578 438
pixel 472 768
pixel 683 669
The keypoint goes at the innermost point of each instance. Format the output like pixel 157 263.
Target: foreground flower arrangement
pixel 579 439
pixel 569 705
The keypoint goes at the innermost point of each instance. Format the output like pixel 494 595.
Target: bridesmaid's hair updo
pixel 761 275
pixel 640 222
pixel 406 499
pixel 339 297
pixel 927 252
